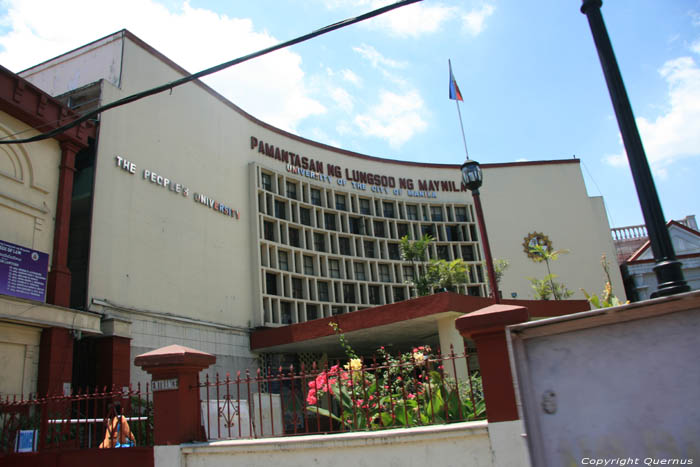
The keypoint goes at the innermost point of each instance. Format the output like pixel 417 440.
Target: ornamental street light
pixel 472 177
pixel 669 274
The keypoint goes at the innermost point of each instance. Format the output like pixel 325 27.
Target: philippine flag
pixel 454 89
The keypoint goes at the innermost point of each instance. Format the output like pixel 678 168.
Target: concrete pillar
pixel 176 406
pixel 55 361
pixel 450 337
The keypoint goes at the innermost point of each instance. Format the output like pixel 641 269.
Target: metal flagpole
pixel 461 125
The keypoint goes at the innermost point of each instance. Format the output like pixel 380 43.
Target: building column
pixel 55 361
pixel 114 353
pixel 59 279
pixel 176 406
pixel 451 339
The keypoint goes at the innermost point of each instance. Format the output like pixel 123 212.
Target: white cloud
pixel 396 119
pixel 413 20
pixel 377 59
pixel 674 134
pixel 473 22
pixel 348 75
pixel 271 88
pixel 343 99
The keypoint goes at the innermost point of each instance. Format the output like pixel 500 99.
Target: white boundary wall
pixel 455 445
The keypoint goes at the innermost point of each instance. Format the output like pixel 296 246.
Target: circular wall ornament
pixel 536 238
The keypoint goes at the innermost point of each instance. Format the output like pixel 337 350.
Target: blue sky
pixel 529 73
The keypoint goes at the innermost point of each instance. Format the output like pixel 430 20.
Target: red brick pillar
pixel 176 407
pixel 113 362
pixel 58 283
pixel 487 328
pixel 55 361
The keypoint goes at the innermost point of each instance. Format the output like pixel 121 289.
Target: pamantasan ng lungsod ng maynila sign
pixel 176 187
pixel 357 179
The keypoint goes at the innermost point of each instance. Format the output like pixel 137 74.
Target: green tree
pixel 437 274
pixel 499 267
pixel 544 288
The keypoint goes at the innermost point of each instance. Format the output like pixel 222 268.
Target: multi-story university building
pixel 191 222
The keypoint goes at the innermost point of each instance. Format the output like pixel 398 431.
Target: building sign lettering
pixel 23 271
pixel 358 179
pixel 164 384
pixel 177 188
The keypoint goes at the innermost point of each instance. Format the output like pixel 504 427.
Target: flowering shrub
pixel 407 390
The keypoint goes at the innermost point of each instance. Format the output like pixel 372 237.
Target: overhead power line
pixel 179 82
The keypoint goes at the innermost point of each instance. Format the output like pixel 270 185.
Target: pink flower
pixel 411 396
pixel 311 397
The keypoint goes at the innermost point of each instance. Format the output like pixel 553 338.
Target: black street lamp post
pixel 668 270
pixel 472 178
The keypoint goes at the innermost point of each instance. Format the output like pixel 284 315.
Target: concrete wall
pixel 620 383
pixel 445 445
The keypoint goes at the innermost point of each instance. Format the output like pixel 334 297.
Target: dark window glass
pixel 349 293
pixel 296 288
pixel 373 294
pixel 283 261
pixel 472 232
pixel 330 221
pixel 357 225
pixel 315 196
pixel 334 268
pixel 291 190
pixel 412 212
pixel 461 214
pixel 266 181
pixel 364 206
pixel 286 312
pixel 269 230
pixel 308 265
pixel 271 283
pixel 280 209
pixel 379 229
pixel 443 252
pixel 402 230
pixel 428 229
pixel 408 273
pixel 344 244
pixel 294 237
pixel 360 272
pixel 474 291
pixel 384 275
pixel 311 312
pixel 305 216
pixel 370 250
pixel 399 294
pixel 323 291
pixel 389 209
pixel 453 233
pixel 394 252
pixel 340 203
pixel 319 242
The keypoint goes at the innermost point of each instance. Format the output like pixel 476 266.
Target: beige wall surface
pixel 156 249
pixel 19 359
pixel 28 188
pixel 550 199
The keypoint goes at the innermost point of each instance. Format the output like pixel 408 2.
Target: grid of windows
pixel 323 252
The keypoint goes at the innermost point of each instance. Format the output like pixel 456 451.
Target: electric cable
pixel 208 71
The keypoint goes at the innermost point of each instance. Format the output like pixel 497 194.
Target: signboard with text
pixel 23 271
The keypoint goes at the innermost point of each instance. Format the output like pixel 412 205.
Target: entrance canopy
pixel 397 326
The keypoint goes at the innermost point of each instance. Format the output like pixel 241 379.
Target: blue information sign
pixel 23 271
